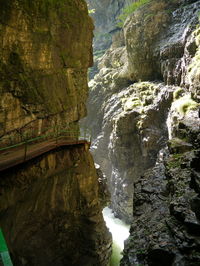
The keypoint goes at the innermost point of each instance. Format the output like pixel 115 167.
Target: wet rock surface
pixel 104 193
pixel 160 42
pixel 160 198
pixel 133 131
pixel 165 226
pixel 50 211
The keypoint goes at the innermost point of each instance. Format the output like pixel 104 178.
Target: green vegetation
pixel 175 161
pixel 129 10
pixel 143 96
pixel 185 104
pixel 194 67
pixel 177 93
pixel 98 54
pixel 131 103
pixel 90 10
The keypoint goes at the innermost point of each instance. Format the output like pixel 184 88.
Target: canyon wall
pixel 105 14
pixel 50 210
pixel 146 97
pixel 45 52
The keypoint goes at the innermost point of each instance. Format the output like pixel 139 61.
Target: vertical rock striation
pixel 105 15
pixel 165 228
pixel 45 53
pixel 161 44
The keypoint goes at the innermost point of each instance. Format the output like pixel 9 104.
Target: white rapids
pixel 119 231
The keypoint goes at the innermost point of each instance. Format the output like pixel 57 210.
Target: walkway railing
pixel 51 133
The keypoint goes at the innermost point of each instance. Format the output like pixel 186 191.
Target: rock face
pixel 165 228
pixel 129 128
pixel 156 190
pixel 159 41
pixel 133 131
pixel 105 15
pixel 104 194
pixel 44 55
pixel 50 210
pixel 165 225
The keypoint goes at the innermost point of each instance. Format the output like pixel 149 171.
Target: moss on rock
pixel 185 104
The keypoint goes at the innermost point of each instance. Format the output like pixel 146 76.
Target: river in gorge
pixel 119 231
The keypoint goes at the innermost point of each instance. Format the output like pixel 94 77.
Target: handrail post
pixel 56 135
pixel 77 135
pixel 56 128
pixel 25 149
pixel 84 133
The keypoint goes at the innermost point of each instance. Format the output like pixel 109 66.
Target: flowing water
pixel 119 231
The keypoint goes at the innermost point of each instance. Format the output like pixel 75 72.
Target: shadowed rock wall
pixel 50 211
pixel 49 208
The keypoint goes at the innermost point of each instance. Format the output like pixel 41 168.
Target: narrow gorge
pixel 100 121
pixel 143 111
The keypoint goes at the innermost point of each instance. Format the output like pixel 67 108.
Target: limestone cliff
pixel 146 92
pixel 160 43
pixel 50 210
pixel 45 53
pixel 105 14
pixel 165 228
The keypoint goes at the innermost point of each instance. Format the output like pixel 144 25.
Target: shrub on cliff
pixel 129 10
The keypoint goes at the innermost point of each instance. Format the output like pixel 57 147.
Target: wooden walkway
pixel 15 156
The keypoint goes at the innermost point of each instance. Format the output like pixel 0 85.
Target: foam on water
pixel 119 231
